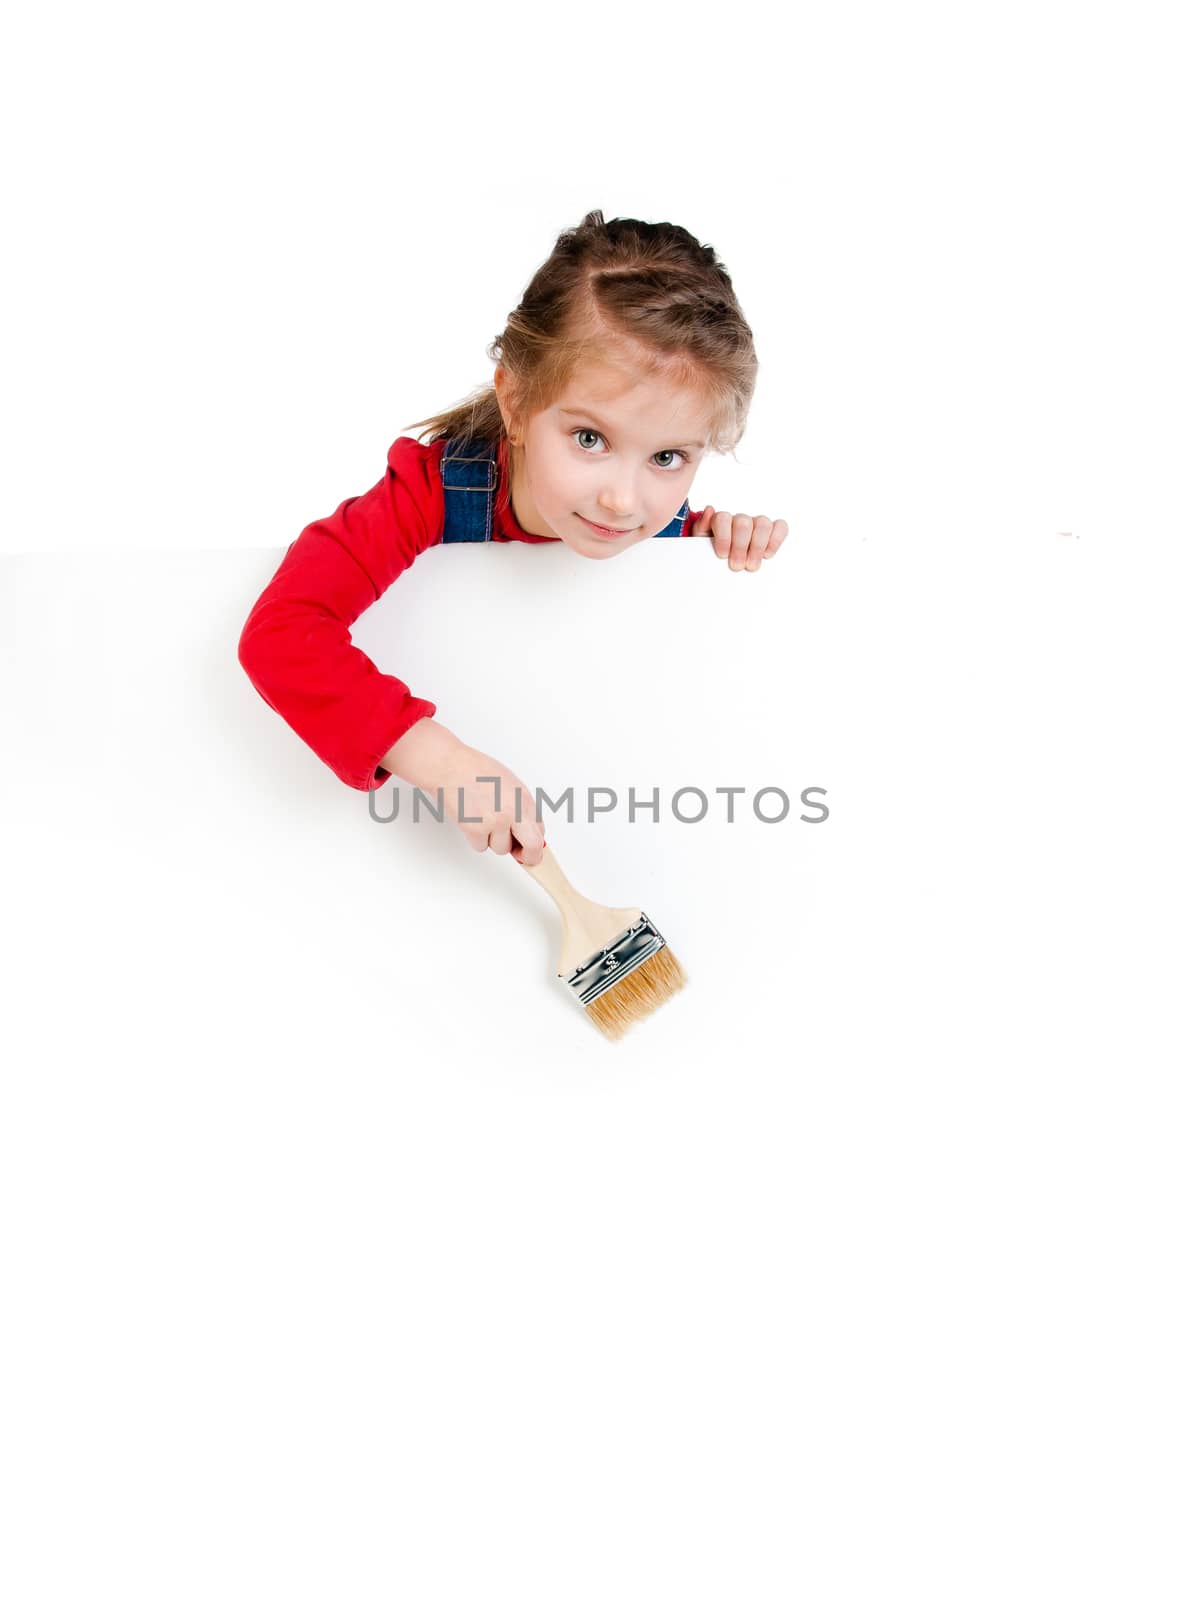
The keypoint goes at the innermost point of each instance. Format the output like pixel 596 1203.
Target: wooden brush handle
pixel 586 925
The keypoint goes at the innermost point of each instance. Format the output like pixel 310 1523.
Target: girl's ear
pixel 506 397
pixel 503 386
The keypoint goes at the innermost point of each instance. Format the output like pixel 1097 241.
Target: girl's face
pixel 617 450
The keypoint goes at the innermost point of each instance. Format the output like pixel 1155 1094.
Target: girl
pixel 627 360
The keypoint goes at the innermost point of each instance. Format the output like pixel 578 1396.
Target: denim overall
pixel 469 490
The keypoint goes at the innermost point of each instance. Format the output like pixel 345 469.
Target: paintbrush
pixel 614 959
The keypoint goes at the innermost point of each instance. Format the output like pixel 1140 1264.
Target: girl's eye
pixel 682 455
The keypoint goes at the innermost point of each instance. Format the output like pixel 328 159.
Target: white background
pixel 340 1254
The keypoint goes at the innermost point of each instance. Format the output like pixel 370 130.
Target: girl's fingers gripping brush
pixel 614 960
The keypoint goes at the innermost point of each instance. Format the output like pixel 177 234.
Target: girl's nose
pixel 617 502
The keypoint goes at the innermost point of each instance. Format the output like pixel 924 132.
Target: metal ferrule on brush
pixel 608 966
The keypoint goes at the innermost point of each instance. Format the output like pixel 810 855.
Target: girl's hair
pixel 646 294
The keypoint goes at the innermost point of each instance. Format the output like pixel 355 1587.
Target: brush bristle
pixel 638 993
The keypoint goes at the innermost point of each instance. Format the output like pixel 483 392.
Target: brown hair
pixel 645 293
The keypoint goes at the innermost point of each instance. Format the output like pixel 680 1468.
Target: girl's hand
pixel 488 812
pixel 745 541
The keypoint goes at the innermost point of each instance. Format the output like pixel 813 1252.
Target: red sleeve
pixel 691 518
pixel 296 646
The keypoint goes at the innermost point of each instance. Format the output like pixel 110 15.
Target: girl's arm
pixel 296 643
pixel 421 756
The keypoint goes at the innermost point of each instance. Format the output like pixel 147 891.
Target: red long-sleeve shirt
pixel 296 645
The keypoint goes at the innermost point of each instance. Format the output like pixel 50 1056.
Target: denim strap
pixel 468 488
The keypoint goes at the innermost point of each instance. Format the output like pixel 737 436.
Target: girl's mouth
pixel 601 531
